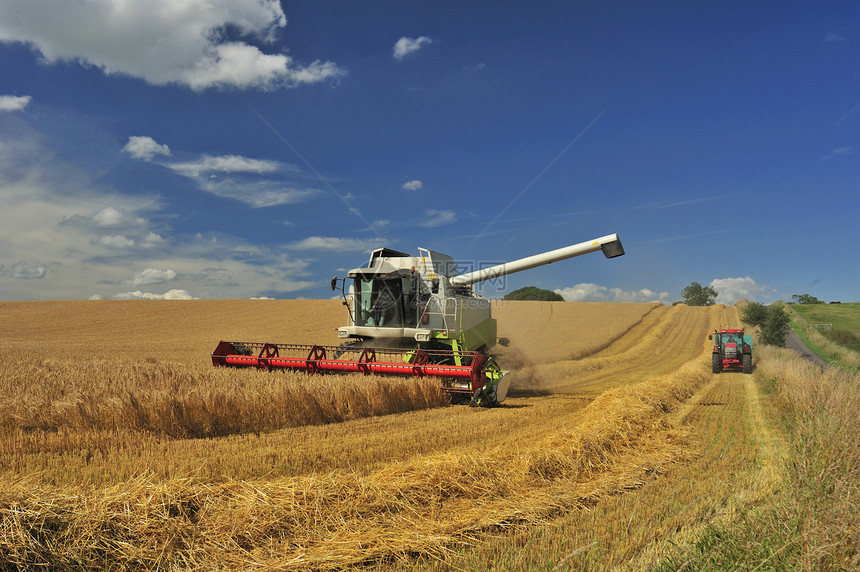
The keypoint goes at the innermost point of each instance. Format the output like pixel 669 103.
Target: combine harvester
pixel 412 316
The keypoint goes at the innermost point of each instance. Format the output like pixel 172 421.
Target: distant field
pixel 842 316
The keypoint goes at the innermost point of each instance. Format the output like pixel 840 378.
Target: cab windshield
pixel 386 302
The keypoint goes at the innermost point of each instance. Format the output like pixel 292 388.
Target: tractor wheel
pixel 716 363
pixel 747 363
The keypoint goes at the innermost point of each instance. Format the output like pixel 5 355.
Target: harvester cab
pixel 732 351
pixel 413 315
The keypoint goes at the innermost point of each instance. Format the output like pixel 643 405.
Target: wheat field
pixel 121 446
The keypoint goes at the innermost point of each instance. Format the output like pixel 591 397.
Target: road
pixel 793 342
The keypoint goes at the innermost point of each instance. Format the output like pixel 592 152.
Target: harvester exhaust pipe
pixel 609 244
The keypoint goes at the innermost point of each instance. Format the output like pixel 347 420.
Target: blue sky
pixel 251 148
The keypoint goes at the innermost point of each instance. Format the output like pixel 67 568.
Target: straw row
pixel 426 504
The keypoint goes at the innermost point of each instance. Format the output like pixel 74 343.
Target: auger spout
pixel 609 244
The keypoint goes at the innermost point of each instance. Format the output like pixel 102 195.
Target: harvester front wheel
pixel 747 363
pixel 716 363
pixel 484 397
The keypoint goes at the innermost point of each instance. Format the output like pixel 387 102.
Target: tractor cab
pixel 732 350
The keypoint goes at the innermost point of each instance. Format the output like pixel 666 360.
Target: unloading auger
pixel 413 316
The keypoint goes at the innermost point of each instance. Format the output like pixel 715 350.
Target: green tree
pixel 772 322
pixel 697 295
pixel 805 299
pixel 755 314
pixel 534 293
pixel 775 327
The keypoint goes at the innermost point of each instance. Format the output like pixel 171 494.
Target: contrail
pixel 319 175
pixel 538 177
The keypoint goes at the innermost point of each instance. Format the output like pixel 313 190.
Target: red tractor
pixel 732 351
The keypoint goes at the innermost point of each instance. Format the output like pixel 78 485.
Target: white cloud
pixel 334 243
pixel 258 194
pixel 834 37
pixel 587 292
pixel 413 185
pixel 108 216
pixel 152 276
pixel 241 65
pixel 164 41
pixel 74 237
pixel 433 218
pixel 22 270
pixel 405 46
pixel 151 239
pixel 14 103
pixel 244 183
pixel 224 164
pixel 115 241
pixel 174 294
pixel 836 154
pixel 730 290
pixel 145 148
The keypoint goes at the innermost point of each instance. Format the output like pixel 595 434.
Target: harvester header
pixel 413 315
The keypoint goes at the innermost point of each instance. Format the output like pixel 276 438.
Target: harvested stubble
pixel 331 521
pixel 546 332
pixel 660 342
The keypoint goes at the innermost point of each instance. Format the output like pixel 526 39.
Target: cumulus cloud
pixel 434 218
pixel 334 243
pixel 730 290
pixel 115 241
pixel 165 41
pixel 152 276
pixel 174 294
pixel 151 239
pixel 145 148
pixel 405 46
pixel 14 103
pixel 413 185
pixel 66 234
pixel 588 292
pixel 108 216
